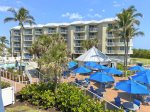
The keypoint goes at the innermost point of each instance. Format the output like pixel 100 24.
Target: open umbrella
pixel 90 64
pixel 72 64
pixel 99 67
pixel 101 77
pixel 136 68
pixel 82 70
pixel 143 77
pixel 143 72
pixel 113 71
pixel 132 87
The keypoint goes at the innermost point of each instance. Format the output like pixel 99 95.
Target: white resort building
pixel 74 33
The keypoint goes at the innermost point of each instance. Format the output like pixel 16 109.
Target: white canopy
pixel 94 55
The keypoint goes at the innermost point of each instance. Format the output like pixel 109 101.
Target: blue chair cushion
pixel 137 102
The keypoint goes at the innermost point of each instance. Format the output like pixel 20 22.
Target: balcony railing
pixel 79 51
pixel 16 33
pixel 77 44
pixel 16 45
pixel 26 51
pixel 63 31
pixel 80 30
pixel 16 50
pixel 110 51
pixel 27 39
pixel 38 32
pixel 79 37
pixel 93 29
pixel 92 37
pixel 115 44
pixel 51 31
pixel 16 39
pixel 28 33
pixel 27 45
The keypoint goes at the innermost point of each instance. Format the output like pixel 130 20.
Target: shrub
pixel 4 84
pixel 120 66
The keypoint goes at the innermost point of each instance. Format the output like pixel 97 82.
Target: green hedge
pixel 4 84
pixel 68 99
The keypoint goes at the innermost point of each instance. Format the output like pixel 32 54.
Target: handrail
pixel 96 95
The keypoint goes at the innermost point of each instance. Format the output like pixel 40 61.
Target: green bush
pixel 4 84
pixel 67 98
pixel 120 66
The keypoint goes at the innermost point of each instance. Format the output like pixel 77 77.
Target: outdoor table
pixel 130 106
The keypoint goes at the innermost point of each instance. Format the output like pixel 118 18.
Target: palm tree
pixel 126 23
pixel 87 44
pixel 3 42
pixel 21 16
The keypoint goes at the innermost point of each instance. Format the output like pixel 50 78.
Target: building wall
pixel 74 34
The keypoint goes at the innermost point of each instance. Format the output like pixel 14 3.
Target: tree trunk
pixel 21 47
pixel 125 57
pixel 127 54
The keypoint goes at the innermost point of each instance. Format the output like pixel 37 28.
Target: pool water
pixel 10 65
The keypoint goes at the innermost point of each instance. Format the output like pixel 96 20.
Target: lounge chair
pixel 147 100
pixel 118 101
pixel 78 81
pixel 94 91
pixel 137 102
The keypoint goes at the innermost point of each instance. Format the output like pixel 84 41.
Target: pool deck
pixel 111 93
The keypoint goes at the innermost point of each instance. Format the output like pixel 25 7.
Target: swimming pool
pixel 10 65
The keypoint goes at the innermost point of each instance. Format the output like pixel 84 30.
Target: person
pixel 16 63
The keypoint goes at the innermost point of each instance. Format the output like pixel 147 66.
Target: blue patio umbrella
pixel 136 68
pixel 90 64
pixel 146 71
pixel 101 77
pixel 82 70
pixel 72 64
pixel 113 71
pixel 100 67
pixel 143 77
pixel 132 87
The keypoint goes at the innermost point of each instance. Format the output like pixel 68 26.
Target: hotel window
pixel 121 48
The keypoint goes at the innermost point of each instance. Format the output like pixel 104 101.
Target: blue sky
pixel 46 11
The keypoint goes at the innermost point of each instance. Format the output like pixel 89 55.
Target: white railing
pixel 16 45
pixel 38 32
pixel 16 39
pixel 51 31
pixel 28 39
pixel 63 31
pixel 92 37
pixel 16 33
pixel 78 44
pixel 80 29
pixel 79 51
pixel 79 37
pixel 93 29
pixel 27 45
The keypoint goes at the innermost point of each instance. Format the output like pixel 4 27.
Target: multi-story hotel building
pixel 74 33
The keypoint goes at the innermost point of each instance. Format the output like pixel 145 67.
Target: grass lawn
pixel 141 60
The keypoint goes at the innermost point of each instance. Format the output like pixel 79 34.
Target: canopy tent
pixel 132 87
pixel 101 77
pixel 93 55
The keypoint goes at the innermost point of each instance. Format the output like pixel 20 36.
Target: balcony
pixel 27 45
pixel 79 51
pixel 111 51
pixel 16 39
pixel 92 37
pixel 25 51
pixel 16 45
pixel 28 39
pixel 77 44
pixel 51 31
pixel 80 30
pixel 115 44
pixel 93 29
pixel 79 37
pixel 38 32
pixel 63 31
pixel 16 51
pixel 27 32
pixel 16 33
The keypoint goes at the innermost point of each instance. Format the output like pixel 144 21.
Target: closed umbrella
pixel 101 77
pixel 82 70
pixel 132 87
pixel 136 68
pixel 113 71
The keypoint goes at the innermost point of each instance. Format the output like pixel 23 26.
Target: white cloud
pixel 73 15
pixel 103 10
pixel 4 8
pixel 97 15
pixel 91 10
pixel 116 4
